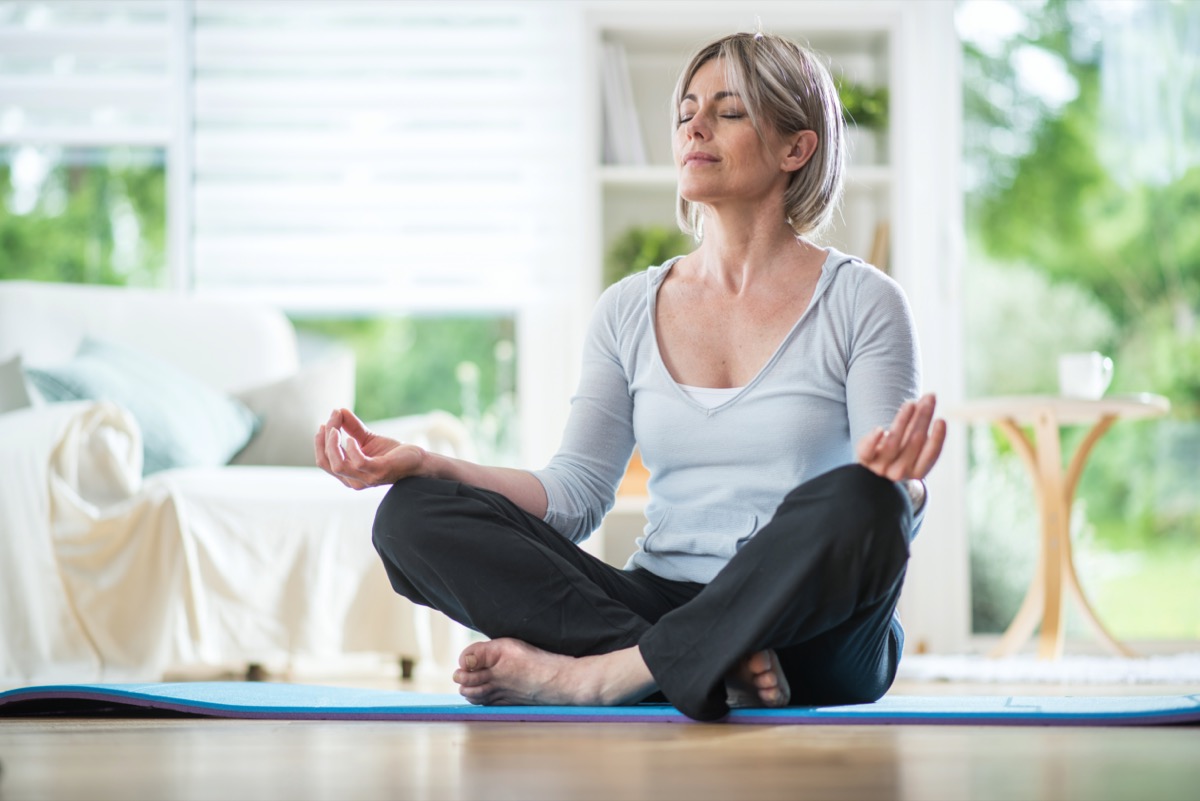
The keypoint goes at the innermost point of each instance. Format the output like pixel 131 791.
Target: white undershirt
pixel 710 397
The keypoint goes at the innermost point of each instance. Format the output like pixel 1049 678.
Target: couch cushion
pixel 184 422
pixel 14 393
pixel 293 408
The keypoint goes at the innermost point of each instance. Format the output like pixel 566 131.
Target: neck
pixel 738 256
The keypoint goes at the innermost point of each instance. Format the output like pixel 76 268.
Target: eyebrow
pixel 718 96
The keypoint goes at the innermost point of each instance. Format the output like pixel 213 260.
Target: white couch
pixel 112 575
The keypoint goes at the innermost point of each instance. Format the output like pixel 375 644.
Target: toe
pixel 472 678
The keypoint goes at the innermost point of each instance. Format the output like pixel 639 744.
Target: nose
pixel 695 128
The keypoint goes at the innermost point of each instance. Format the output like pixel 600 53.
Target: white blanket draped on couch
pixel 108 576
pixel 208 557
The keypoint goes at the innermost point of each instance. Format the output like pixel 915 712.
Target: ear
pixel 801 147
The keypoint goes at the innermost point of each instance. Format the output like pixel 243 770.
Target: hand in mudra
pixel 363 459
pixel 908 448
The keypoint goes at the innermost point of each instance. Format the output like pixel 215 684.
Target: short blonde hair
pixel 785 87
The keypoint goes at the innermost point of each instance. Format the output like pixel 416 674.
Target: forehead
pixel 711 78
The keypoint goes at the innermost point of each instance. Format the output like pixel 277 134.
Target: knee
pixel 863 489
pixel 860 498
pixel 407 514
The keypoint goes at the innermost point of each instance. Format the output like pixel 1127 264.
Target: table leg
pixel 1056 525
pixel 1055 574
pixel 1033 606
pixel 1072 577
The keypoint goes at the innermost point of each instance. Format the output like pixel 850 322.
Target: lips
pixel 697 157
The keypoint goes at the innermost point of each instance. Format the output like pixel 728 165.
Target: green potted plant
pixel 866 112
pixel 640 247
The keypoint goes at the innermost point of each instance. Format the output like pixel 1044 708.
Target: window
pixel 1083 188
pixel 84 129
pixel 398 166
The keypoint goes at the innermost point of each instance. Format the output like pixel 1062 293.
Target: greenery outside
pixel 1072 247
pixel 83 215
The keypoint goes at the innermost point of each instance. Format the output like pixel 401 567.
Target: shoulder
pixel 632 297
pixel 863 286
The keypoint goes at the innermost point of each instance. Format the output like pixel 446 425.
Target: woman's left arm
pixel 882 382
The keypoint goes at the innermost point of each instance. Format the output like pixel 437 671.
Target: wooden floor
pixel 169 759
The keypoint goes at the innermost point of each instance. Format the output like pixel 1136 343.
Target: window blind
pixel 365 155
pixel 85 73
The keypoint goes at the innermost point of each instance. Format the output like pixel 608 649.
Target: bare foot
pixel 508 672
pixel 758 681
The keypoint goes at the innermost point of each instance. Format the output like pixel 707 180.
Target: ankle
pixel 625 678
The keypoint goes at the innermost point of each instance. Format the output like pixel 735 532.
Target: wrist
pixel 916 492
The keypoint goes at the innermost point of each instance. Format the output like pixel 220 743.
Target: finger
pixel 918 425
pixel 890 447
pixel 931 451
pixel 338 465
pixel 355 468
pixel 333 449
pixel 358 464
pixel 869 444
pixel 352 425
pixel 319 449
pixel 901 467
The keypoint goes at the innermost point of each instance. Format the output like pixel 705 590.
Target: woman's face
pixel 718 154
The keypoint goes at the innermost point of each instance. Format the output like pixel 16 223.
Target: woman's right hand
pixel 363 459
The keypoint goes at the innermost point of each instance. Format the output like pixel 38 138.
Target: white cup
pixel 1084 375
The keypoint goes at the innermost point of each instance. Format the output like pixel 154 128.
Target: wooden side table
pixel 1055 574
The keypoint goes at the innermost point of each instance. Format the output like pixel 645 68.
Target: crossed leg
pixel 569 629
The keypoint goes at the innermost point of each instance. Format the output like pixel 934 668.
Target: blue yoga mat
pixel 265 700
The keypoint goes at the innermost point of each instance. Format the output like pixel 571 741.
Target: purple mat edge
pixel 800 715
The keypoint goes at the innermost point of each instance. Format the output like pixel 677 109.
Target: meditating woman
pixel 771 387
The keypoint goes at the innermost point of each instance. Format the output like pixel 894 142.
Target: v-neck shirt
pixel 718 472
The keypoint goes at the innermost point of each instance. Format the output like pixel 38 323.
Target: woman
pixel 768 384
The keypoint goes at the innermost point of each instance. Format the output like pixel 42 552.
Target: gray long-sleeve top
pixel 717 475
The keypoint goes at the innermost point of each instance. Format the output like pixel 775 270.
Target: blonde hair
pixel 785 87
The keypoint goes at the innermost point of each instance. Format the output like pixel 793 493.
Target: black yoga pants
pixel 818 584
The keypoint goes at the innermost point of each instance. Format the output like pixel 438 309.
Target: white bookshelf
pixel 909 179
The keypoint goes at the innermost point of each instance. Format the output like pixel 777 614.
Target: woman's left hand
pixel 909 448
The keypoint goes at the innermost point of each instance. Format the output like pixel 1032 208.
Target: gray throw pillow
pixel 14 393
pixel 184 421
pixel 292 409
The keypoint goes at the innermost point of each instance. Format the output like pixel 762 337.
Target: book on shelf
pixel 881 246
pixel 623 142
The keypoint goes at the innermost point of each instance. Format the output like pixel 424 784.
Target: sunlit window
pixel 1083 189
pixel 86 215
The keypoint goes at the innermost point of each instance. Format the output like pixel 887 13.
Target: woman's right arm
pixel 572 493
pixel 364 459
